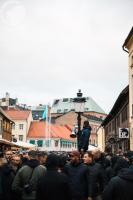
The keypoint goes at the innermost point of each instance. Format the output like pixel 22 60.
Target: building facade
pixel 7 101
pixel 51 137
pixel 5 126
pixel 128 47
pixel 117 120
pixel 22 120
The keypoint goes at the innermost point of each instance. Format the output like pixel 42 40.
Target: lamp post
pixel 79 103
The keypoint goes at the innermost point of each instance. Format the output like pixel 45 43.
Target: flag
pixel 45 113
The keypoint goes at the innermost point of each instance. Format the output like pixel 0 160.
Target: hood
pixel 6 168
pixel 126 174
pixel 24 160
pixel 33 163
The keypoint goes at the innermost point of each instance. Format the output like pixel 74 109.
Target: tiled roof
pixel 18 114
pixel 38 130
pixel 5 114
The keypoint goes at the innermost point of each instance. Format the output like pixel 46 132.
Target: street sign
pixel 123 132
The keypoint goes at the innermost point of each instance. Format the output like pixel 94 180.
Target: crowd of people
pixel 90 175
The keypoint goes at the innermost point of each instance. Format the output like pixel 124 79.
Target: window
pixel 106 129
pixel 59 111
pixel 86 109
pixel 118 121
pixel 113 125
pixel 48 143
pixel 40 143
pixel 21 126
pixel 56 143
pixel 65 100
pixel 65 110
pixel 13 126
pixel 109 128
pixel 124 114
pixel 71 100
pixel 20 137
pixel 131 61
pixel 32 141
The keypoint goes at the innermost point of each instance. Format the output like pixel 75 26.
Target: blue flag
pixel 45 113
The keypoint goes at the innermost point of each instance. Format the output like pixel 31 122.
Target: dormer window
pixel 65 100
pixel 59 111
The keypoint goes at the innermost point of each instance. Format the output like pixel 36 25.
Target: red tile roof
pixel 38 130
pixel 18 114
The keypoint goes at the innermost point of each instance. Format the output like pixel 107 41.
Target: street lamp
pixel 79 103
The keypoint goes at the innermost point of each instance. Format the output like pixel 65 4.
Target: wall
pixel 130 68
pixel 17 131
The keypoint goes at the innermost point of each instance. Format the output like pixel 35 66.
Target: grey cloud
pixel 57 47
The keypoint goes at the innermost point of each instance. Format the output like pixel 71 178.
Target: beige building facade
pixel 128 47
pixel 101 138
pixel 22 120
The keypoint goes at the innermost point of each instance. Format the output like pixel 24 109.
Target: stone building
pixel 128 47
pixel 117 119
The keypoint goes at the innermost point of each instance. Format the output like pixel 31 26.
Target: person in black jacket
pixel 7 175
pixel 120 187
pixel 78 176
pixel 96 175
pixel 120 164
pixel 83 138
pixel 53 185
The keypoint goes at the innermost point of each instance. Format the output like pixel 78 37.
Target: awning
pixel 24 145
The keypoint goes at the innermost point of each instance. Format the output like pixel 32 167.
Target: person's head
pixel 97 154
pixel 25 155
pixel 62 161
pixel 52 161
pixel 86 124
pixel 88 157
pixel 42 157
pixel 16 160
pixel 8 155
pixel 32 155
pixel 74 156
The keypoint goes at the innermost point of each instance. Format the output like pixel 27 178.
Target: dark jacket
pixel 120 187
pixel 53 185
pixel 7 175
pixel 97 178
pixel 78 180
pixel 84 138
pixel 120 164
pixel 23 176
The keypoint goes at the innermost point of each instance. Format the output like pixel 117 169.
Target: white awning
pixel 25 145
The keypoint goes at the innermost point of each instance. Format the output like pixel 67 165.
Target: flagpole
pixel 47 141
pixel 49 127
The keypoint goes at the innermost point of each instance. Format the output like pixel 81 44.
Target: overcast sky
pixel 51 48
